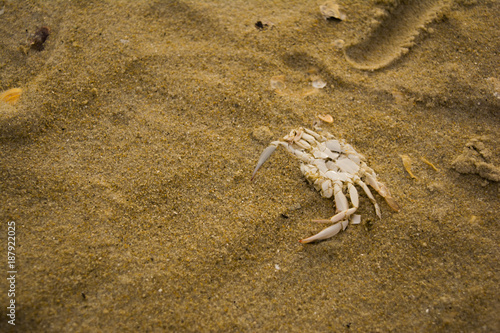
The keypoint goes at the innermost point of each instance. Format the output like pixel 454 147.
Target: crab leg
pixel 370 196
pixel 343 216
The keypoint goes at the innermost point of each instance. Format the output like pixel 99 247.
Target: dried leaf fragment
pixel 11 96
pixel 428 163
pixel 407 165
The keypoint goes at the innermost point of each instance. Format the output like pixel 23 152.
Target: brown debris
pixel 407 162
pixel 423 159
pixel 11 96
pixel 326 118
pixel 37 41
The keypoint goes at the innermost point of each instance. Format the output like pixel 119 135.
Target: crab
pixel 334 168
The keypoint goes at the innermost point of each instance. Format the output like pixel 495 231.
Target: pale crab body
pixel 334 168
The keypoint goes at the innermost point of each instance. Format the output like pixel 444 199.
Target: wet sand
pixel 126 167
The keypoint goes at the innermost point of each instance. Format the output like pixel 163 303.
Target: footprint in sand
pixel 395 35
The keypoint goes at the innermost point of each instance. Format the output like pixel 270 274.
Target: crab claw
pixel 264 156
pixel 326 233
pixel 383 191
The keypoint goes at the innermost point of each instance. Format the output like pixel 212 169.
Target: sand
pixel 126 167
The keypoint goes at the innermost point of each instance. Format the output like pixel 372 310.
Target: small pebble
pixel 339 44
pixel 278 82
pixel 318 83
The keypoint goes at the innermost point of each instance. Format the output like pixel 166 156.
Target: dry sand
pixel 126 167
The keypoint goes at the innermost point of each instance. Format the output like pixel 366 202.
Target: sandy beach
pixel 125 166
